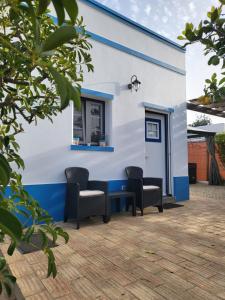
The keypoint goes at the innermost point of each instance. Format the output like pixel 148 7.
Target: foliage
pixel 211 34
pixel 201 120
pixel 220 141
pixel 41 67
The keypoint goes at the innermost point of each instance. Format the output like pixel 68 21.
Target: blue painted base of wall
pixel 52 196
pixel 181 188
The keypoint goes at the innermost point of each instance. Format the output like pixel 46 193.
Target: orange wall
pixel 197 153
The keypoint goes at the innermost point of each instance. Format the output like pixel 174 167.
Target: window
pixel 152 130
pixel 89 123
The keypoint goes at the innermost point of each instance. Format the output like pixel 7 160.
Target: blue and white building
pixel 146 128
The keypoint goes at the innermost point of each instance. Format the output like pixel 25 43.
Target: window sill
pixel 91 148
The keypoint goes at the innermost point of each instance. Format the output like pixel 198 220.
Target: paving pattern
pixel 179 254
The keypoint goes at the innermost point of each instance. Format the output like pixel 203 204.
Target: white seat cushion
pixel 150 187
pixel 89 193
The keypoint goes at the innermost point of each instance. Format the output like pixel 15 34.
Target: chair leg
pixel 142 212
pixel 134 208
pixel 106 219
pixel 127 205
pixel 160 208
pixel 65 219
pixel 78 224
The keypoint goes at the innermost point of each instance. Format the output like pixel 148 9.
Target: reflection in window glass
pixel 88 124
pixel 152 130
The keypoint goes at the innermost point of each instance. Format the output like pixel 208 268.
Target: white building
pixel 146 128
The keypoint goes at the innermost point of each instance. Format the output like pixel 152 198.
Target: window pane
pixel 152 130
pixel 78 124
pixel 94 121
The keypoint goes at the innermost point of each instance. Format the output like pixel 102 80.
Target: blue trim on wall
pixel 158 107
pixel 133 24
pixel 130 51
pixel 181 188
pixel 96 94
pixel 157 140
pixel 52 197
pixel 135 53
pixel 91 148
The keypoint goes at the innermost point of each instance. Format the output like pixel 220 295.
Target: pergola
pixel 215 109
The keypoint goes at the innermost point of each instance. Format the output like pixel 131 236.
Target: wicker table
pixel 130 197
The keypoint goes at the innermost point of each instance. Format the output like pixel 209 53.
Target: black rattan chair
pixel 148 190
pixel 85 198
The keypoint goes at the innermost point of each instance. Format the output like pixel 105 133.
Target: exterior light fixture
pixel 134 83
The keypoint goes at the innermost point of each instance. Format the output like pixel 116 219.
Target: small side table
pixel 124 194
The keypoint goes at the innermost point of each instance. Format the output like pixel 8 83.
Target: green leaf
pixel 51 263
pixel 7 288
pixel 5 171
pixel 11 248
pixel 181 37
pixel 59 11
pixel 59 37
pixel 71 8
pixel 42 6
pixel 61 86
pixel 65 89
pixel 222 2
pixel 28 234
pixel 11 278
pixel 44 239
pixel 222 81
pixel 214 60
pixel 62 233
pixel 213 76
pixel 10 224
pixel 51 231
pixel 74 94
pixel 2 263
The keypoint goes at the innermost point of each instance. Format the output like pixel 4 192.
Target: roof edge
pixel 95 4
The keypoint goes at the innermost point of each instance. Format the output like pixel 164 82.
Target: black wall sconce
pixel 134 83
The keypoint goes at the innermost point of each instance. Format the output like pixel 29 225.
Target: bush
pixel 220 142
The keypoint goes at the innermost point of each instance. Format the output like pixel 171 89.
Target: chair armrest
pixel 98 185
pixel 153 181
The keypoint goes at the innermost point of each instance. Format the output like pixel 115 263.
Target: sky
pixel 168 17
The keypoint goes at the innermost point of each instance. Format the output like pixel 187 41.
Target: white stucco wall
pixel 46 147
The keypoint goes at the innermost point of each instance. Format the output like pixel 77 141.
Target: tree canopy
pixel 201 121
pixel 211 34
pixel 41 68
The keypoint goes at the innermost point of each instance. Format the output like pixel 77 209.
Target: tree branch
pixel 18 81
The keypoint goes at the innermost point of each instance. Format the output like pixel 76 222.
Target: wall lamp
pixel 134 83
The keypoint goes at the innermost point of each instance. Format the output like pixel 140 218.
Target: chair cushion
pixel 150 187
pixel 90 193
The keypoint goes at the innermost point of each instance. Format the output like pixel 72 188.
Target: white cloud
pixel 186 18
pixel 192 6
pixel 165 19
pixel 148 9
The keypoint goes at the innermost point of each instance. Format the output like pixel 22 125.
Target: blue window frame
pixel 153 130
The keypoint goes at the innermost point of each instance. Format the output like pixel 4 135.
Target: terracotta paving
pixel 179 254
